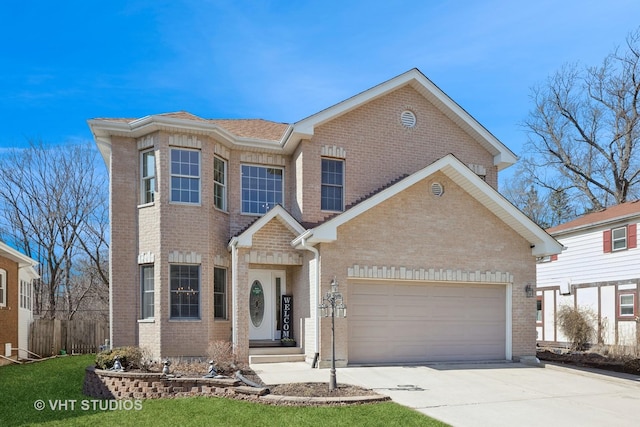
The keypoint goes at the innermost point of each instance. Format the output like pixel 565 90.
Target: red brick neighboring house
pixel 17 273
pixel 392 193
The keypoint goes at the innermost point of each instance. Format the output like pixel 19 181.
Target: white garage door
pixel 404 323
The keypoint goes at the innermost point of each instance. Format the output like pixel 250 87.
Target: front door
pixel 265 287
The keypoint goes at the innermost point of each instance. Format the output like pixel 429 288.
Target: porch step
pixel 275 354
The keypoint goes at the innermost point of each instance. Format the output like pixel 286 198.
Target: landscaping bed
pixel 591 359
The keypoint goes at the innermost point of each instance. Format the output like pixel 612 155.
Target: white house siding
pixel 585 262
pixel 594 277
pixel 25 317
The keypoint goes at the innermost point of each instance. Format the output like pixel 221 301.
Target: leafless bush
pixel 224 359
pixel 147 363
pixel 577 325
pixel 188 366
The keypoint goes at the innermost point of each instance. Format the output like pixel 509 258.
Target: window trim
pixel 242 200
pixel 172 292
pixel 326 185
pixel 3 287
pixel 217 184
pixel 225 295
pixel 146 293
pixel 25 294
pixel 198 177
pixel 144 179
pixel 614 239
pixel 633 305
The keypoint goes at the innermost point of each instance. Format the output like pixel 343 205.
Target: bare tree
pixel 584 130
pixel 546 208
pixel 53 206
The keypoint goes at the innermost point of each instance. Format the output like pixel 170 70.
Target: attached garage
pixel 410 322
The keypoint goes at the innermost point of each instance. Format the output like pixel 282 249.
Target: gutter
pixel 304 245
pixel 233 246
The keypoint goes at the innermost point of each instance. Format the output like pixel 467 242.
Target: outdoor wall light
pixel 528 289
pixel 333 305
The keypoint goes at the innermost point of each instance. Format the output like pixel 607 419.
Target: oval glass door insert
pixel 256 303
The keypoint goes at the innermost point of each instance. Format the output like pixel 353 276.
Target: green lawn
pixel 59 380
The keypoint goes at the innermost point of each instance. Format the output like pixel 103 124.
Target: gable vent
pixel 408 119
pixel 437 189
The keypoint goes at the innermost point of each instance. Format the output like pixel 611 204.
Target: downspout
pixel 233 245
pixel 316 285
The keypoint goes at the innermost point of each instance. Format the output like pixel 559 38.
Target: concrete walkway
pixel 496 394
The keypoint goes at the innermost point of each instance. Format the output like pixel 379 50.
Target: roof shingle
pixel 605 215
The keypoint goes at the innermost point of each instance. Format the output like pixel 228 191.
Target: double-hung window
pixel 627 305
pixel 262 188
pixel 332 197
pixel 219 293
pixel 147 290
pixel 25 294
pixel 620 238
pixel 148 176
pixel 3 288
pixel 185 176
pixel 220 183
pixel 185 291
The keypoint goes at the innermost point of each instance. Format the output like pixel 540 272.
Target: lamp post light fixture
pixel 333 305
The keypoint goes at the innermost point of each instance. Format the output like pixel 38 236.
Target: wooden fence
pixel 47 337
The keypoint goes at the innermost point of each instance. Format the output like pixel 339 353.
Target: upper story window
pixel 3 288
pixel 262 188
pixel 148 176
pixel 185 291
pixel 185 176
pixel 220 183
pixel 332 197
pixel 620 238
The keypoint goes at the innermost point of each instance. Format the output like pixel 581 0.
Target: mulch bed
pixel 627 365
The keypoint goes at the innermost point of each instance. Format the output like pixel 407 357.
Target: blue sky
pixel 65 62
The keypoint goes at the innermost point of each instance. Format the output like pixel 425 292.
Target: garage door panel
pixel 426 322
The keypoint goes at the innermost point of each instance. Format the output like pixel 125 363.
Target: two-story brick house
pixel 598 271
pixel 392 192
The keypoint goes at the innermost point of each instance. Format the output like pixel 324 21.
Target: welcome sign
pixel 287 312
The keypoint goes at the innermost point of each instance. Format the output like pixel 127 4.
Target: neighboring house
pixel 17 272
pixel 391 192
pixel 598 271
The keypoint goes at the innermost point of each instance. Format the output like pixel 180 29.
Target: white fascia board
pixel 307 126
pixel 503 157
pixel 148 124
pixel 15 256
pixel 598 224
pixel 541 242
pixel 245 239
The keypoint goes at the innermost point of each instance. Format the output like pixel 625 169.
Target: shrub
pixel 224 359
pixel 130 358
pixel 577 325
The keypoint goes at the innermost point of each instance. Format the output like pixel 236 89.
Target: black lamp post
pixel 332 305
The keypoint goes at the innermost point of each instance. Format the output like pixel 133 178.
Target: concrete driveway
pixel 492 394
